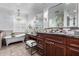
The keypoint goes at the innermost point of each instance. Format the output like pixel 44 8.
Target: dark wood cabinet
pixel 60 49
pixel 40 45
pixel 49 48
pixel 56 44
pixel 73 47
pixel 71 51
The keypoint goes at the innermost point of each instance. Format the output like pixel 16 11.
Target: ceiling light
pixel 18 17
pixel 67 3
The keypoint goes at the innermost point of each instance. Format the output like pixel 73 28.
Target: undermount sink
pixel 34 34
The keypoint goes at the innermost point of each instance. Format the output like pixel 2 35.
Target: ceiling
pixel 25 8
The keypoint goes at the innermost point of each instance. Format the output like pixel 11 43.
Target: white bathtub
pixel 10 39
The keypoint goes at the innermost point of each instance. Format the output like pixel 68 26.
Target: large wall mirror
pixel 71 14
pixel 39 22
pixel 56 16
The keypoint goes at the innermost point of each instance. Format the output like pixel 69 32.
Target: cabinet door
pixel 60 49
pixel 73 47
pixel 40 46
pixel 71 51
pixel 49 48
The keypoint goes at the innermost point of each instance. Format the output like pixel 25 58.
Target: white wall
pixel 6 20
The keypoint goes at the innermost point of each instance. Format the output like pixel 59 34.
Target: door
pixel 72 51
pixel 60 49
pixel 73 47
pixel 49 48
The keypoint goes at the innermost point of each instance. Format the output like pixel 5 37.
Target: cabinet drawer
pixel 61 40
pixel 71 51
pixel 74 43
pixel 41 39
pixel 40 46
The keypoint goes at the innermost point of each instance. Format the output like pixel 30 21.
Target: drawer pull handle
pixel 74 45
pixel 74 49
pixel 50 42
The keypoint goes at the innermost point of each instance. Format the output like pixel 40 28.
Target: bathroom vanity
pixel 52 44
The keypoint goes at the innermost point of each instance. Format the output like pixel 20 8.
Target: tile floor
pixel 17 49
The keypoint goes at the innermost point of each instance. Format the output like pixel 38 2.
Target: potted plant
pixel 13 34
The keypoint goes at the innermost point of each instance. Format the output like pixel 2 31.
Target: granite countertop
pixel 69 35
pixel 32 34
